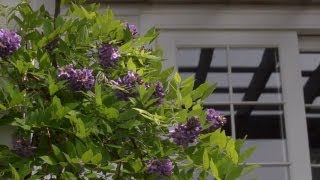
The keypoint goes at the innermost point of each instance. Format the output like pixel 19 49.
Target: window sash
pixel 287 44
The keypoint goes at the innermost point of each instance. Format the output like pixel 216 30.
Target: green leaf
pixel 80 128
pixel 214 170
pixel 98 94
pixel 48 160
pixel 187 86
pixel 205 159
pixel 53 87
pixel 87 156
pixel 156 118
pixel 188 101
pixel 137 165
pixel 208 91
pixel 68 176
pixel 150 35
pixel 44 61
pixel 246 170
pixel 177 78
pixel 218 138
pixel 2 107
pixel 131 65
pixel 14 173
pixel 231 151
pixel 96 158
pixel 111 113
pixel 130 124
pixel 246 154
pixel 57 152
pixel 181 116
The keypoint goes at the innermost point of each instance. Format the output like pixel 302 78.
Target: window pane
pixel 310 66
pixel 255 74
pixel 313 122
pixel 206 65
pixel 259 121
pixel 268 173
pixel 267 150
pixel 315 173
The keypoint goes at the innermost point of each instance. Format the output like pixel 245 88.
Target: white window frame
pixel 287 43
pixel 310 44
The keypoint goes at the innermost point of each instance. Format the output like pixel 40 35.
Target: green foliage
pixel 72 131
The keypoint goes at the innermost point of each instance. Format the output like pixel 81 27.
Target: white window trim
pixel 287 42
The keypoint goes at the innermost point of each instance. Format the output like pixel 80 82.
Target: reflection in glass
pixel 259 121
pixel 316 173
pixel 255 74
pixel 268 173
pixel 313 122
pixel 206 65
pixel 310 65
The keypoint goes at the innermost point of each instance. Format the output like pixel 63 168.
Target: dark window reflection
pixel 259 121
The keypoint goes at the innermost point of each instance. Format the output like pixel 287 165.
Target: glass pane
pixel 268 173
pixel 313 122
pixel 224 110
pixel 315 173
pixel 263 126
pixel 259 121
pixel 255 74
pixel 267 150
pixel 310 65
pixel 206 65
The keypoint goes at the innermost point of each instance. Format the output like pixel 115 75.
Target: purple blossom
pixel 133 29
pixel 23 147
pixel 9 42
pixel 128 83
pixel 108 55
pixel 160 167
pixel 187 133
pixel 158 92
pixel 78 79
pixel 216 119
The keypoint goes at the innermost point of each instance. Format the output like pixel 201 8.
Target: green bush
pixel 88 99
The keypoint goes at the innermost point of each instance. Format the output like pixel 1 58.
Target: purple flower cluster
pixel 128 83
pixel 187 133
pixel 158 92
pixel 160 167
pixel 132 28
pixel 216 119
pixel 9 42
pixel 78 79
pixel 23 147
pixel 108 55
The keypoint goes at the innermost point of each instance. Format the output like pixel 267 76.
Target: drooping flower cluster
pixel 216 119
pixel 133 29
pixel 23 147
pixel 158 92
pixel 108 55
pixel 128 83
pixel 187 133
pixel 160 167
pixel 9 42
pixel 78 79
